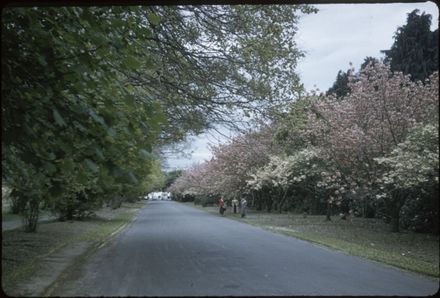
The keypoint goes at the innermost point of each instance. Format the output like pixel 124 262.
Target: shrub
pixel 416 215
pixel 78 206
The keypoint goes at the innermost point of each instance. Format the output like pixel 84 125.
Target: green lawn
pixel 22 252
pixel 6 216
pixel 368 238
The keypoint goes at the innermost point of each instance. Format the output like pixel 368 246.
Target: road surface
pixel 175 250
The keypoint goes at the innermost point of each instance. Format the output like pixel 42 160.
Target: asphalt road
pixel 174 250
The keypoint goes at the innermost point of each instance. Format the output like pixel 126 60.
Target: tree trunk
pixel 283 200
pixel 364 209
pixel 395 212
pixel 328 212
pixel 69 213
pixel 278 201
pixel 17 201
pixel 116 202
pixel 259 205
pixel 30 215
pixel 395 224
pixel 435 212
pixel 268 202
pixel 435 221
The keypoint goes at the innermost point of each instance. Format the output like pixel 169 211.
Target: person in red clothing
pixel 221 204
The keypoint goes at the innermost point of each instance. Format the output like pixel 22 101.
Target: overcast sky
pixel 336 35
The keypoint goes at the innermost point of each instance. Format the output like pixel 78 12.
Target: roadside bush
pixel 198 201
pixel 176 197
pixel 17 201
pixel 209 201
pixel 188 198
pixel 116 201
pixel 180 197
pixel 382 210
pixel 364 207
pixel 416 215
pixel 133 198
pixel 77 206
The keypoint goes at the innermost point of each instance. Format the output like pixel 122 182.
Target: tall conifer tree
pixel 415 47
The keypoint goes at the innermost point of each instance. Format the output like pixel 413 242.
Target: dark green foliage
pixel 170 177
pixel 340 86
pixel 369 61
pixel 416 215
pixel 17 201
pixel 116 201
pixel 77 206
pixel 205 201
pixel 289 126
pixel 188 198
pixel 415 47
pixel 364 206
pixel 198 200
pixel 180 197
pixel 89 93
pixel 421 214
pixel 66 115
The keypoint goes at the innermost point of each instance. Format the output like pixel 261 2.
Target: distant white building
pixel 158 196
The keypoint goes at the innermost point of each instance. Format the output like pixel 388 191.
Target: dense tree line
pixel 90 94
pixel 415 47
pixel 372 153
pixel 368 147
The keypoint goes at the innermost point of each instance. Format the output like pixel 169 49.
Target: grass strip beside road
pixel 383 256
pixel 10 217
pixel 362 237
pixel 23 253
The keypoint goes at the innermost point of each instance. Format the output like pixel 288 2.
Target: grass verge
pixel 23 253
pixel 367 238
pixel 10 217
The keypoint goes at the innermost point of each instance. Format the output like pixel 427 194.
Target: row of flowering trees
pixel 228 172
pixel 373 152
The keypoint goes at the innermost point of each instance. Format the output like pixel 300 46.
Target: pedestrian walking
pixel 235 204
pixel 221 204
pixel 243 207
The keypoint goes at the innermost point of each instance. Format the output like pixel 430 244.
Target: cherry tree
pixel 226 174
pixel 193 181
pixel 233 162
pixel 285 177
pixel 370 122
pixel 377 144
